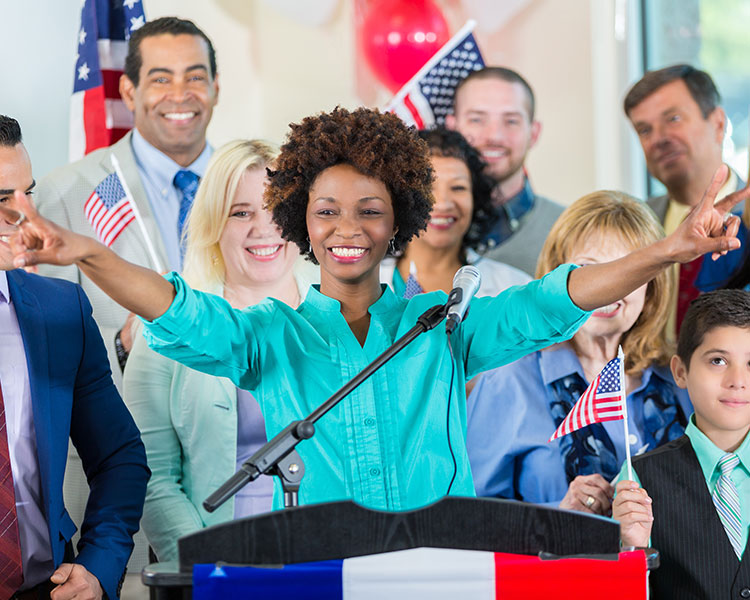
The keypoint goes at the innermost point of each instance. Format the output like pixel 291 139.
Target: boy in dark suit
pixel 697 508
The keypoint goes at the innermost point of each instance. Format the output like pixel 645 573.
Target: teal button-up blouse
pixel 385 445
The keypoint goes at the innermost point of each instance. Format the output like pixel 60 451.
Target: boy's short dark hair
pixel 699 84
pixel 722 308
pixel 10 132
pixel 163 25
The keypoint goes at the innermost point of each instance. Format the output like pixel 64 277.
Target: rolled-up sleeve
pixel 520 320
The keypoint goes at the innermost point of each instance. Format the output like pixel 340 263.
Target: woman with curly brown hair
pixel 348 185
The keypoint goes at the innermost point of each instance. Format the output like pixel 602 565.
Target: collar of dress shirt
pixel 384 304
pixel 472 256
pixel 160 167
pixel 560 360
pixel 509 213
pixel 709 454
pixel 517 206
pixel 4 291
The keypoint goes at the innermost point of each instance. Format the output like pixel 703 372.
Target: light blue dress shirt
pixel 509 423
pixel 36 551
pixel 386 444
pixel 157 173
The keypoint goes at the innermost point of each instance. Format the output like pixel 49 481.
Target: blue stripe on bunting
pixel 312 581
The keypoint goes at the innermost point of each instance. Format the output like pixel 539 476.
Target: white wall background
pixel 274 71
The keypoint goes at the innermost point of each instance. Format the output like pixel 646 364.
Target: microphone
pixel 465 285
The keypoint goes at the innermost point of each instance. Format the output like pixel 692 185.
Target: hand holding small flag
pixel 632 508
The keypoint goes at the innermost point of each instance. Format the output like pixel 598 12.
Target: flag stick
pixel 138 219
pixel 624 400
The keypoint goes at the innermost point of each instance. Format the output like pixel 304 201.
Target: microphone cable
pixel 448 417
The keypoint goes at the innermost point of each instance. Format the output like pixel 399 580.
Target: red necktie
pixel 686 290
pixel 11 570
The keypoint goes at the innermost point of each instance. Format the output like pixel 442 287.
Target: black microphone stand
pixel 280 458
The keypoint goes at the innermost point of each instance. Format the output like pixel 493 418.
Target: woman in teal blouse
pixel 347 186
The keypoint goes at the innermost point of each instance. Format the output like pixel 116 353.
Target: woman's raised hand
pixel 39 241
pixel 710 226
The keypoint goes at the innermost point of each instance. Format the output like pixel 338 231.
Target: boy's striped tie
pixel 727 502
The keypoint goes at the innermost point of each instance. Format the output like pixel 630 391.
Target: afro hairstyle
pixel 378 145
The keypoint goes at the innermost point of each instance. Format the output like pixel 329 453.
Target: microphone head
pixel 468 279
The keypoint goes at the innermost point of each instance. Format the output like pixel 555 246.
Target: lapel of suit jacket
pixel 123 150
pixel 29 314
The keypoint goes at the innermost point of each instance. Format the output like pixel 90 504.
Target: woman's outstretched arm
pixel 709 228
pixel 39 241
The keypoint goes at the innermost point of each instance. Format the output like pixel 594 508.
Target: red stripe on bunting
pixel 531 578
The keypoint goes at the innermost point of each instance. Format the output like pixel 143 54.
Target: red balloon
pixel 399 36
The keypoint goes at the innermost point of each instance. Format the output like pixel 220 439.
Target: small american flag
pixel 98 116
pixel 428 96
pixel 602 401
pixel 108 209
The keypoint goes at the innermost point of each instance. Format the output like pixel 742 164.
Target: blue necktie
pixel 187 182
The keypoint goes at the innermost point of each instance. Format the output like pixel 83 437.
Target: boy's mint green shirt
pixel 708 457
pixel 385 445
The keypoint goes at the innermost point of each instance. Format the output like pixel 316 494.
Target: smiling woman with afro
pixel 378 145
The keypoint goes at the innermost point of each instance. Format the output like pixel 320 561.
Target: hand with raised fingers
pixel 39 241
pixel 709 227
pixel 632 508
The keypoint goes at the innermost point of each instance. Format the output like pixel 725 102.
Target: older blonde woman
pixel 197 428
pixel 514 409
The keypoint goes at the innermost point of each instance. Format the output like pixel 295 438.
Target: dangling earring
pixel 392 245
pixel 309 246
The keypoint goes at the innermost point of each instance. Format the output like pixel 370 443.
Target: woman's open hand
pixel 39 241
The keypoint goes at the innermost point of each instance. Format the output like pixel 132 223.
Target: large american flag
pixel 602 401
pixel 108 209
pixel 428 96
pixel 98 116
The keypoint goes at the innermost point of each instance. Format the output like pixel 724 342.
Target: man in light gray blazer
pixel 170 85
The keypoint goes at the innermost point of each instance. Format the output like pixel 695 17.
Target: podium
pixel 340 530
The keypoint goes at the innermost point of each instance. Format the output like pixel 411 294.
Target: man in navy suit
pixel 55 384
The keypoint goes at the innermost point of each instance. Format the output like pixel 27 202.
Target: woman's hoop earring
pixel 392 245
